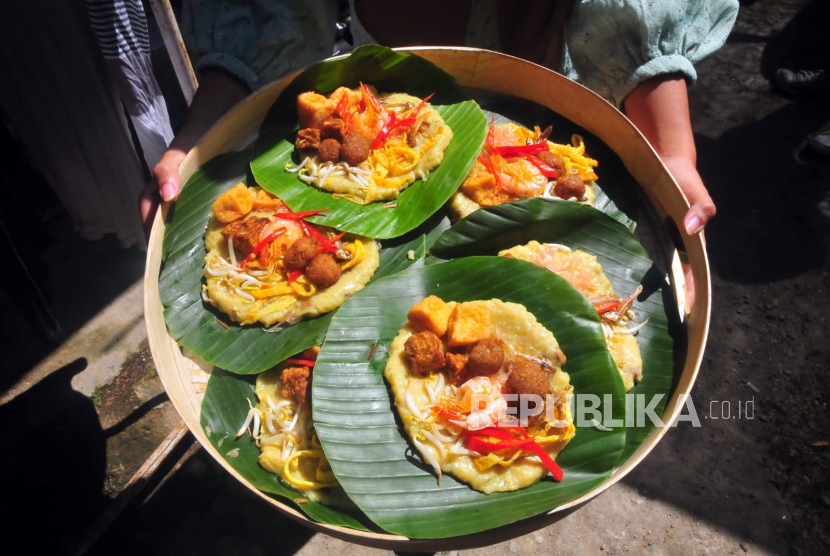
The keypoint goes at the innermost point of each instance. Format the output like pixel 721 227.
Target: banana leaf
pixel 223 411
pixel 389 71
pixel 194 323
pixel 361 432
pixel 625 262
pixel 562 133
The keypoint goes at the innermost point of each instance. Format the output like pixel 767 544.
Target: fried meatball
pixel 554 161
pixel 333 129
pixel 323 270
pixel 300 253
pixel 356 148
pixel 308 138
pixel 456 364
pixel 425 352
pixel 330 150
pixel 569 186
pixel 296 384
pixel 529 376
pixel 486 357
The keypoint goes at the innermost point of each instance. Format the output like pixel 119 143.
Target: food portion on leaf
pixel 365 147
pixel 584 273
pixel 266 264
pixel 452 369
pixel 283 429
pixel 517 163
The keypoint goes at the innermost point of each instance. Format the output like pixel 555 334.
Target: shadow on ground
pixel 53 463
pixel 219 517
pixel 771 194
pixel 83 277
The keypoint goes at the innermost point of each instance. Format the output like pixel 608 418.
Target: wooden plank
pixel 134 486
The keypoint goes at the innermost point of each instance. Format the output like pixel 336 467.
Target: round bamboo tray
pixel 481 70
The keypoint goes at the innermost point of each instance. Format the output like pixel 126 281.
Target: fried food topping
pixel 233 204
pixel 425 353
pixel 296 384
pixel 487 357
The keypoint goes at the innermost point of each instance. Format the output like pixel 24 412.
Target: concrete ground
pixel 82 418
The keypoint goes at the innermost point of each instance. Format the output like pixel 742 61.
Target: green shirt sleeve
pixel 258 41
pixel 611 46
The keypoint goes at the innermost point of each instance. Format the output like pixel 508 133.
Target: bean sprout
pixel 631 330
pixel 298 168
pixel 436 442
pixel 559 247
pixel 244 295
pixel 429 457
pixel 432 397
pixel 294 421
pixel 411 405
pixel 230 250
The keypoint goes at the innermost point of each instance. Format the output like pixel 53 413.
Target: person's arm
pixel 659 107
pixel 218 92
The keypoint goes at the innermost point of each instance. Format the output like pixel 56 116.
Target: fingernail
pixel 168 191
pixel 693 226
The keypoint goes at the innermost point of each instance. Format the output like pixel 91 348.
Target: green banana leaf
pixel 562 134
pixel 389 71
pixel 361 433
pixel 223 411
pixel 194 324
pixel 625 262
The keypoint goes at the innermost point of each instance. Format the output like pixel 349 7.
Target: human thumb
pixel 167 175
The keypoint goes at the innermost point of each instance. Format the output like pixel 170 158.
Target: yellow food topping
pixel 357 251
pixel 293 474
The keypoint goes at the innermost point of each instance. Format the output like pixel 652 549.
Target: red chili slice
pixel 554 469
pixel 324 243
pixel 520 150
pixel 393 123
pixel 305 362
pixel 294 275
pixel 388 126
pixel 297 215
pixel 476 443
pixel 607 306
pixel 543 167
pixel 261 245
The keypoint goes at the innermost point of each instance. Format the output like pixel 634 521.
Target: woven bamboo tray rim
pixel 495 73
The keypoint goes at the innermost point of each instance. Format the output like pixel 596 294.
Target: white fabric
pixel 121 29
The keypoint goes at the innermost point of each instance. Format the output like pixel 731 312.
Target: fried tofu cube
pixel 265 200
pixel 233 204
pixel 432 314
pixel 468 324
pixel 478 182
pixel 481 188
pixel 352 96
pixel 313 109
pixel 425 353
